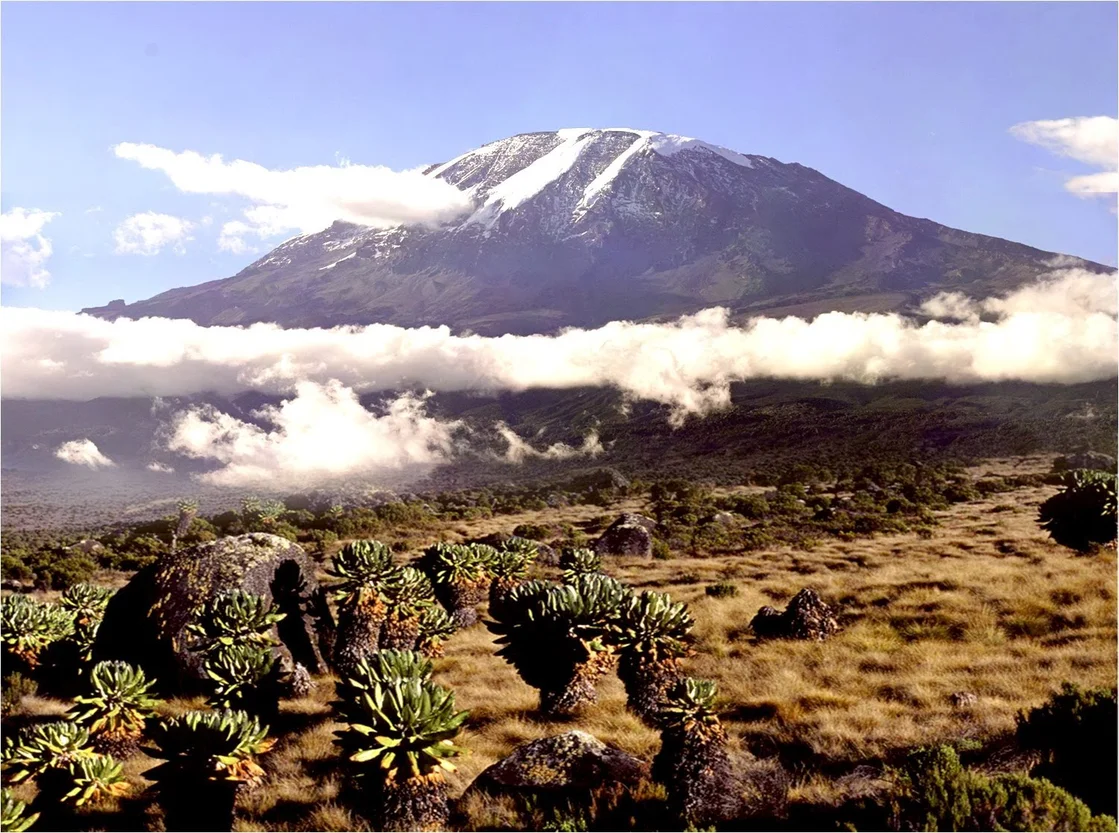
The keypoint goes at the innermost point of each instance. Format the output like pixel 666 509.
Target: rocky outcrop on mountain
pixel 146 620
pixel 583 226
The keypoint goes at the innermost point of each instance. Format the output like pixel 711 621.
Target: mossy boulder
pixel 571 763
pixel 145 623
pixel 630 534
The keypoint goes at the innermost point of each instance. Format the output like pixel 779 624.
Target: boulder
pixel 806 617
pixel 572 762
pixel 598 479
pixel 145 621
pixel 963 699
pixel 1085 460
pixel 629 535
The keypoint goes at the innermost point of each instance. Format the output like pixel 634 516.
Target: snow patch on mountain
pixel 667 144
pixel 335 263
pixel 534 178
pixel 603 180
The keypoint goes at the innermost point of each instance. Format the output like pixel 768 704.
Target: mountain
pixel 581 226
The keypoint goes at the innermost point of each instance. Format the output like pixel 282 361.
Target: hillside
pixel 581 227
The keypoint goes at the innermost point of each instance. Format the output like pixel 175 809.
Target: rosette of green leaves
pixel 13 813
pixel 361 567
pixel 28 627
pixel 235 617
pixel 403 728
pixel 119 702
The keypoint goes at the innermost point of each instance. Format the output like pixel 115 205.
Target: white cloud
pixel 149 233
pixel 23 248
pixel 83 453
pixel 307 198
pixel 162 468
pixel 1062 330
pixel 1093 140
pixel 322 433
pixel 519 450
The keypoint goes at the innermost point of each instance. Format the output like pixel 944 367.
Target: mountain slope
pixel 580 227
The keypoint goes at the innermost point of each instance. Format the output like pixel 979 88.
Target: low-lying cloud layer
pixel 1059 330
pixel 1040 336
pixel 307 199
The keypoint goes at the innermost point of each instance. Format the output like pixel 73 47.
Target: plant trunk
pixel 121 745
pixel 399 634
pixel 414 804
pixel 462 600
pixel 205 805
pixel 647 685
pixel 578 690
pixel 359 631
pixel 696 771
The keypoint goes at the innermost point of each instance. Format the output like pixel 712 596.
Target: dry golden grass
pixel 987 605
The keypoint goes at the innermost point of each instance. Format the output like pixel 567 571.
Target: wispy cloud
pixel 150 233
pixel 1093 140
pixel 83 453
pixel 24 250
pixel 306 199
pixel 520 450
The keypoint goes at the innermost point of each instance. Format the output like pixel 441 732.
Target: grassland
pixel 985 605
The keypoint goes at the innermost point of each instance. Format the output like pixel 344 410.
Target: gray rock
pixel 963 699
pixel 1085 460
pixel 806 617
pixel 574 761
pixel 145 622
pixel 630 534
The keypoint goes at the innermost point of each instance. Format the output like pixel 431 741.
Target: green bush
pixel 661 550
pixel 1083 513
pixel 535 532
pixel 935 792
pixel 721 590
pixel 67 571
pixel 13 568
pixel 1072 730
pixel 751 507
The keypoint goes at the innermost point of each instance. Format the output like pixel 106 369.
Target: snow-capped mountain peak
pixel 583 225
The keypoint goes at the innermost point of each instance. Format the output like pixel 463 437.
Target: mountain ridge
pixel 580 226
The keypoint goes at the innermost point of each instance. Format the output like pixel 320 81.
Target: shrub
pixel 16 687
pixel 1070 730
pixel 661 550
pixel 752 507
pixel 1083 513
pixel 67 571
pixel 535 532
pixel 935 792
pixel 721 590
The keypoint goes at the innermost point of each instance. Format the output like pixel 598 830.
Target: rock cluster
pixel 806 617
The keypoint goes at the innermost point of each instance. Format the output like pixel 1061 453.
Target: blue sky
pixel 909 103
